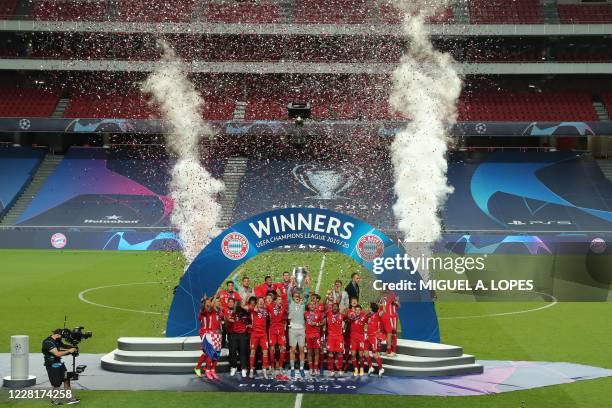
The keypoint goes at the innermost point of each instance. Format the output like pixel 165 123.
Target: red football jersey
pixel 259 320
pixel 285 290
pixel 312 318
pixel 334 324
pixel 390 306
pixel 373 324
pixel 278 316
pixel 358 322
pixel 225 295
pixel 210 321
pixel 262 290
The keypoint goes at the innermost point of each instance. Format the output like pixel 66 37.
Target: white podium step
pixel 405 360
pixel 433 371
pixel 179 355
pixel 426 349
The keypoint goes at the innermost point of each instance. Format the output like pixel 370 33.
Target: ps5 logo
pixel 327 181
pixel 560 222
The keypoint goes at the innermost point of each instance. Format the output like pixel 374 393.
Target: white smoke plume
pixel 193 189
pixel 425 88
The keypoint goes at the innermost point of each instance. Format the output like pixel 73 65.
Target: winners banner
pixel 299 226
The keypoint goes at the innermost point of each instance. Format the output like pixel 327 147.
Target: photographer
pixel 53 350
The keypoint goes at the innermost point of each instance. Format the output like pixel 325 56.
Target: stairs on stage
pixel 179 355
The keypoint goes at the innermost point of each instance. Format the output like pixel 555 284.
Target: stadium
pixel 449 162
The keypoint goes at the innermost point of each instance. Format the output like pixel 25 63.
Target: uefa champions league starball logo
pixel 370 247
pixel 58 240
pixel 235 246
pixel 24 124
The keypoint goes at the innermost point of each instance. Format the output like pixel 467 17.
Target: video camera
pixel 74 337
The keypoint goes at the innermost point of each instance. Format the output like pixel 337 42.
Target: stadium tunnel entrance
pixel 298 226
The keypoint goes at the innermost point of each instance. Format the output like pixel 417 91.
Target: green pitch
pixel 40 287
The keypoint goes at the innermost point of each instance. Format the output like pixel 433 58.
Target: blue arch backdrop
pixel 294 226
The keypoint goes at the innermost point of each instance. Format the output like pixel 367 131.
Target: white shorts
pixel 297 337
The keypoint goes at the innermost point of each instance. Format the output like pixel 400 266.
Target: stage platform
pixel 497 377
pixel 179 355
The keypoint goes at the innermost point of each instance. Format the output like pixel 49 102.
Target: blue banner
pixel 384 128
pixel 298 226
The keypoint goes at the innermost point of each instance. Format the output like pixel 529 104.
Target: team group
pixel 280 317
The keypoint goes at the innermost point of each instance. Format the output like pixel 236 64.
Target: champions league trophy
pixel 324 181
pixel 299 274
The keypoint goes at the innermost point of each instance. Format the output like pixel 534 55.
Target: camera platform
pixel 9 382
pixel 180 354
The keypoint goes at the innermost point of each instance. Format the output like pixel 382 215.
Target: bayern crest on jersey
pixel 369 247
pixel 235 246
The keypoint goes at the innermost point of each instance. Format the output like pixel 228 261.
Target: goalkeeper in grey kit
pixel 297 325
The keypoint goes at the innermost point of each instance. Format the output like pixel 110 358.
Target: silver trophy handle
pixel 299 274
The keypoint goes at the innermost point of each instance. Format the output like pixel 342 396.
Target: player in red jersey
pixel 313 317
pixel 269 299
pixel 262 290
pixel 259 335
pixel 372 342
pixel 347 332
pixel 335 339
pixel 277 333
pixel 358 320
pixel 390 304
pixel 210 332
pixel 285 287
pixel 229 293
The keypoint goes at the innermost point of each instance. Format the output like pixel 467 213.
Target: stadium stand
pixel 332 97
pixel 156 11
pixel 125 187
pixel 17 165
pixel 69 10
pixel 27 102
pixel 326 12
pixel 97 104
pixel 133 105
pixel 514 106
pixel 585 13
pixel 505 12
pixel 7 8
pixel 388 14
pixel 242 12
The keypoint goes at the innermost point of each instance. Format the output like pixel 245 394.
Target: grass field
pixel 40 287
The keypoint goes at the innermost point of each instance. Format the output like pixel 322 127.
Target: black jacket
pixel 353 290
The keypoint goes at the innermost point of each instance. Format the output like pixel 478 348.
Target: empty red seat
pixel 69 10
pixel 585 13
pixel 156 11
pixel 7 8
pixel 505 12
pixel 522 106
pixel 326 12
pixel 242 12
pixel 27 102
